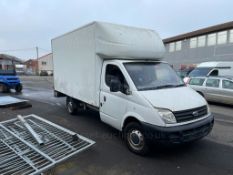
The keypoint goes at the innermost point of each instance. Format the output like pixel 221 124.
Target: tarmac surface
pixel 109 156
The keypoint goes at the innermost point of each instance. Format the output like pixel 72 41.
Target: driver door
pixel 212 90
pixel 113 105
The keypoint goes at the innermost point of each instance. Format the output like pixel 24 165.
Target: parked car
pixel 44 73
pixel 215 89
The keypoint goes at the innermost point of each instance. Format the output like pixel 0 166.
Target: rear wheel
pixel 71 105
pixel 135 138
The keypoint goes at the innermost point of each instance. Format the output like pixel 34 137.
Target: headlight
pixel 167 116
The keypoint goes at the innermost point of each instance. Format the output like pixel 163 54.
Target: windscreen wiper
pixel 180 85
pixel 161 87
pixel 157 87
pixel 165 86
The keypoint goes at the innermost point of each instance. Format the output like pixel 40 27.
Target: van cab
pixel 149 102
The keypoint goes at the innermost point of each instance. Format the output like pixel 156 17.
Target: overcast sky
pixel 26 24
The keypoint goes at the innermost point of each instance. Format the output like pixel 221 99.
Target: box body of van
pixel 118 71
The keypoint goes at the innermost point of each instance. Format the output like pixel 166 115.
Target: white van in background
pixel 223 68
pixel 118 71
pixel 20 69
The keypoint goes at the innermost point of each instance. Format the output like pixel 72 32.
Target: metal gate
pixel 21 154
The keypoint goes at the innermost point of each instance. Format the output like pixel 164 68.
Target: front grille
pixel 191 134
pixel 190 114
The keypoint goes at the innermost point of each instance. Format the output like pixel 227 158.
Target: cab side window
pixel 197 81
pixel 214 73
pixel 226 84
pixel 212 82
pixel 113 71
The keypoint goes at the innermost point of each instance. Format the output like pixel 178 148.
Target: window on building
pixel 222 37
pixel 178 45
pixel 171 47
pixel 231 36
pixel 211 39
pixel 201 41
pixel 193 42
pixel 43 63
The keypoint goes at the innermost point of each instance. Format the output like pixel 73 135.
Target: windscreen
pixel 152 75
pixel 200 72
pixel 7 67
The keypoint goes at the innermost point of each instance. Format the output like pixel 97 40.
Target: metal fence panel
pixel 21 154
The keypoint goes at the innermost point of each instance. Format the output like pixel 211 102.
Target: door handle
pixel 105 99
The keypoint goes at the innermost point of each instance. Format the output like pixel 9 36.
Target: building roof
pixel 30 60
pixel 216 28
pixel 44 56
pixel 10 57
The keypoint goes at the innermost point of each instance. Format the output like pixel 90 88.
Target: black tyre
pixel 135 139
pixel 4 88
pixel 19 88
pixel 71 106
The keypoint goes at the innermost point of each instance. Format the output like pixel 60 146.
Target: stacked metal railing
pixel 21 154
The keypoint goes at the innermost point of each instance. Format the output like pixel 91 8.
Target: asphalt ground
pixel 211 155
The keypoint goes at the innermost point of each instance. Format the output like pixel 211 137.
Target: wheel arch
pixel 201 93
pixel 132 117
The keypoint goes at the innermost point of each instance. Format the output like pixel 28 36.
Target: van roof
pixel 114 40
pixel 216 77
pixel 216 64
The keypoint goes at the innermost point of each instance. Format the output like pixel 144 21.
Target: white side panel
pixel 225 72
pixel 98 73
pixel 75 71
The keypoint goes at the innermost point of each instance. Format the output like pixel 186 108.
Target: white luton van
pixel 117 70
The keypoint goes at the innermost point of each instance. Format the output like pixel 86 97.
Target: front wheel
pixel 19 88
pixel 71 106
pixel 135 138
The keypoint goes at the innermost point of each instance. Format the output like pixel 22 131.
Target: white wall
pixel 45 63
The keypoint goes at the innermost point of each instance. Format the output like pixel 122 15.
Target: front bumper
pixel 179 134
pixel 12 85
